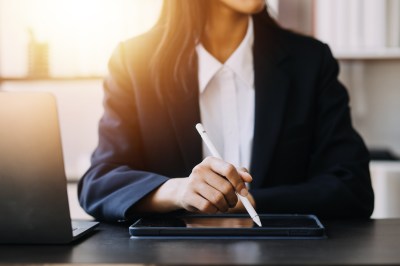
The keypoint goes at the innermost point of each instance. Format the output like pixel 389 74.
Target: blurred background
pixel 63 47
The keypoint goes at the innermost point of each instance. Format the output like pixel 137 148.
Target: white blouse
pixel 227 100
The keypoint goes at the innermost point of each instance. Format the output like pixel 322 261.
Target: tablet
pixel 229 225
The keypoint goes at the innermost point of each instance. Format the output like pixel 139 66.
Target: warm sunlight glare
pixel 81 34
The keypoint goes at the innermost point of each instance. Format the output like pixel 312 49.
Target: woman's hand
pixel 211 187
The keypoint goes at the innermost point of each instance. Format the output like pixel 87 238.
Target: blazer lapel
pixel 272 85
pixel 184 112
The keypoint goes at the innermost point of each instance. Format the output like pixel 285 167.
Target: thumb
pixel 244 174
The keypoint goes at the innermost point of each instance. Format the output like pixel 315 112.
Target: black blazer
pixel 306 157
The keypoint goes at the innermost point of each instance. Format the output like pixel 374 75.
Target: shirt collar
pixel 240 62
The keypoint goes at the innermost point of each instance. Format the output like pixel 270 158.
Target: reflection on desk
pixel 349 243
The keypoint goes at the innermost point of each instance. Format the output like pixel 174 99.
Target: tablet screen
pixel 248 222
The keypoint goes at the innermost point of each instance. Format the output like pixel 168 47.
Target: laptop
pixel 33 190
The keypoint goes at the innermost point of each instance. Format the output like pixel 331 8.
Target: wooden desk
pixel 375 242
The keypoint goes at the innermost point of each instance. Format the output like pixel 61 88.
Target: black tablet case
pixel 288 226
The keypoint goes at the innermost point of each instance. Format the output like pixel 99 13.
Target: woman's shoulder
pixel 293 43
pixel 301 43
pixel 302 48
pixel 140 46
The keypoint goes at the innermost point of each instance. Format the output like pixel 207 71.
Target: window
pixel 73 38
pixel 62 47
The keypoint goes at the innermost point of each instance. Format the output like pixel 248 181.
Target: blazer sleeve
pixel 113 183
pixel 338 182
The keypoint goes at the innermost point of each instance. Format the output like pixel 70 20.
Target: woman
pixel 269 98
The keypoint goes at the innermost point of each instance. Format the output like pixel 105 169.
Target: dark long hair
pixel 182 23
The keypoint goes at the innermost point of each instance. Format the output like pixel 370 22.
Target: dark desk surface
pixel 348 243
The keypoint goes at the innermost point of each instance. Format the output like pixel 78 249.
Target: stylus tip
pixel 257 220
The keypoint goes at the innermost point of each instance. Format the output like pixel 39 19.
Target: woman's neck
pixel 225 30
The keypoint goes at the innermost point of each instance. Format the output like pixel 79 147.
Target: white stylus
pixel 253 214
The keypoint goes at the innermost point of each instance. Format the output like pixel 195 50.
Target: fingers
pixel 200 204
pixel 239 208
pixel 244 173
pixel 230 173
pixel 211 187
pixel 222 188
pixel 215 197
pixel 197 196
pixel 243 169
